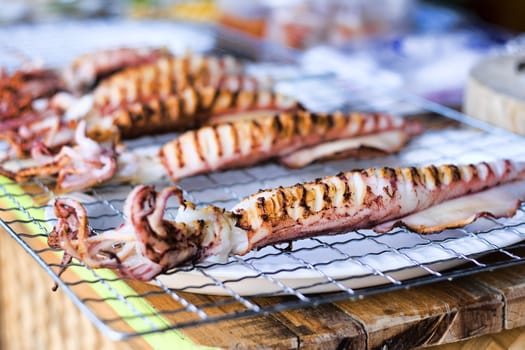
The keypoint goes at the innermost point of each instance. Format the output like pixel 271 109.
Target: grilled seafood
pixel 81 166
pixel 166 77
pixel 295 138
pixel 44 125
pixel 380 199
pixel 194 107
pixel 31 110
pixel 172 94
pixel 146 244
pixel 88 69
pixel 73 235
pixel 20 89
pixel 130 247
pixel 177 93
pixel 54 134
pixel 188 109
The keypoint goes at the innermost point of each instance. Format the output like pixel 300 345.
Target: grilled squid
pixel 425 200
pixel 296 139
pixel 382 198
pixel 114 249
pixel 88 69
pixel 20 89
pixel 170 75
pixel 146 244
pixel 179 93
pixel 78 167
pixel 43 125
pixel 166 95
pixel 28 98
pixel 194 107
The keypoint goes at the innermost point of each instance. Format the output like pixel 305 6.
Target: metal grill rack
pixel 350 266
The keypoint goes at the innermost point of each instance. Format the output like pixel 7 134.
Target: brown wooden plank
pixel 246 333
pixel 322 327
pixel 510 282
pixel 432 314
pixel 34 317
pixel 508 339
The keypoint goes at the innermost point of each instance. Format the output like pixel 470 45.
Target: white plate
pixel 357 260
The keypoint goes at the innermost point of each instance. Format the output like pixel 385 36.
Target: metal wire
pixel 123 308
pixel 461 143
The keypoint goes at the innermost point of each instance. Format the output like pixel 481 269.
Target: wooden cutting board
pixel 495 92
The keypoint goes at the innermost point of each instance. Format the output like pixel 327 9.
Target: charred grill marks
pixel 435 175
pixel 415 176
pixel 179 154
pixel 217 135
pixel 235 138
pixel 280 136
pixel 278 124
pixel 302 195
pixel 272 216
pixel 456 173
pixel 198 148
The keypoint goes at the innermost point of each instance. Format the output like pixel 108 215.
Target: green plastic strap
pixel 172 339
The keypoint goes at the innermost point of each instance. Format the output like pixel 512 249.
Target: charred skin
pixel 179 93
pixel 166 77
pixel 20 89
pixel 193 107
pixel 78 167
pixel 245 142
pixel 146 244
pixel 361 199
pixel 164 242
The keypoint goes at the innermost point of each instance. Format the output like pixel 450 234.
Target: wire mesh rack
pixel 276 278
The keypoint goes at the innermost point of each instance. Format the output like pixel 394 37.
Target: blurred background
pixel 298 23
pixel 426 47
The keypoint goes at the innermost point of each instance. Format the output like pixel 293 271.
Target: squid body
pixel 426 199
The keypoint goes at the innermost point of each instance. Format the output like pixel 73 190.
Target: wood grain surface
pixel 32 317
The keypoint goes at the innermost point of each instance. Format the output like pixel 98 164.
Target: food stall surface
pixel 398 290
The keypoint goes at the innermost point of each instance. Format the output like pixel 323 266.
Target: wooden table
pixel 33 317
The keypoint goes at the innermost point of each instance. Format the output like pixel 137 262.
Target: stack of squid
pixel 68 125
pixel 71 122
